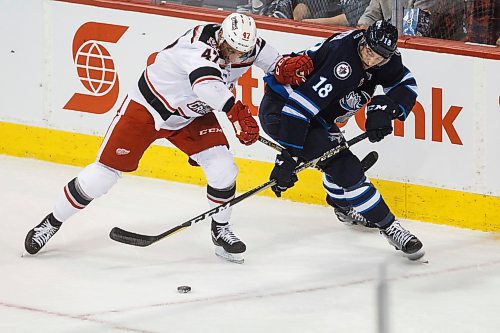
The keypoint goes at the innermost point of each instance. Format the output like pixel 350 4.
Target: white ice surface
pixel 304 270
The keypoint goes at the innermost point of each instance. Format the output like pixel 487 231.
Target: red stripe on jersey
pixel 157 94
pixel 118 114
pixel 70 199
pixel 195 31
pixel 206 78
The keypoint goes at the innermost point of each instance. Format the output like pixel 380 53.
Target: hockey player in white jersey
pixel 175 99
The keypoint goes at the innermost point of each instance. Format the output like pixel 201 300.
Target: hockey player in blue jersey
pixel 347 69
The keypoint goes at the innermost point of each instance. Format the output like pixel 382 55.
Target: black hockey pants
pixel 343 169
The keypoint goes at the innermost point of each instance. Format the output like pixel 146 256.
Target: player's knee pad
pixel 96 179
pixel 345 170
pixel 218 165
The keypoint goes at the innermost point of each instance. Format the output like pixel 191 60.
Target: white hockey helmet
pixel 239 31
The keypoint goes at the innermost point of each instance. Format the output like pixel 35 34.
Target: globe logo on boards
pixel 95 67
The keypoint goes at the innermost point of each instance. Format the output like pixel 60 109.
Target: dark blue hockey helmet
pixel 382 37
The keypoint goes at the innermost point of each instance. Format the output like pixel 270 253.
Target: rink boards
pixel 440 166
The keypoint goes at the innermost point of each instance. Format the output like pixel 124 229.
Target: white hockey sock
pixel 218 197
pixel 92 182
pixel 70 200
pixel 221 171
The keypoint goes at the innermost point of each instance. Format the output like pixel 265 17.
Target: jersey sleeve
pixel 205 75
pixel 267 56
pixel 399 84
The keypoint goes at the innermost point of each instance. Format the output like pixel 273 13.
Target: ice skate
pixel 404 241
pixel 350 216
pixel 227 245
pixel 40 235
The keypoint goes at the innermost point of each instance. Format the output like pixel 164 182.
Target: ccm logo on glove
pixel 376 107
pixel 379 115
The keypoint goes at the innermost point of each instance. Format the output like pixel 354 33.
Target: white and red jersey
pixel 189 79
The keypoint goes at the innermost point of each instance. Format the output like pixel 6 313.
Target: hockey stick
pixel 135 239
pixel 366 163
pixel 270 144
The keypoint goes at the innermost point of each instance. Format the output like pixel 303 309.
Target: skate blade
pixel 231 257
pixel 417 256
pixel 26 254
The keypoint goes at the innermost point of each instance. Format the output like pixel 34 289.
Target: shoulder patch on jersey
pixel 208 34
pixel 342 70
pixel 260 45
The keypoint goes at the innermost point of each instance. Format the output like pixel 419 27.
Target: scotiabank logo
pixel 441 120
pixel 442 117
pixel 95 67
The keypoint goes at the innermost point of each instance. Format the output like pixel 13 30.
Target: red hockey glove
pixel 245 126
pixel 293 70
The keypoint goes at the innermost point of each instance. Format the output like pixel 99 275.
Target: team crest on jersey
pixel 352 103
pixel 344 117
pixel 342 71
pixel 199 107
pixel 212 42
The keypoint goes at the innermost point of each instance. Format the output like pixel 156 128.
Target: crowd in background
pixel 475 21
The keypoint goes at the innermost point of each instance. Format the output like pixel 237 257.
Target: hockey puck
pixel 183 289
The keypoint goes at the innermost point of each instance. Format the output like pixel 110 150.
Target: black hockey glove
pixel 283 173
pixel 379 115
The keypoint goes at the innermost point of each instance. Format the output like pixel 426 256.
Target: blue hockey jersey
pixel 338 87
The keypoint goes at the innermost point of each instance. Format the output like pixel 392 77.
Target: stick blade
pixel 130 238
pixel 369 160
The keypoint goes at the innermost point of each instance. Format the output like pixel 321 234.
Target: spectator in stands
pixel 481 21
pixel 351 11
pixel 434 18
pixel 297 9
pixel 446 19
pixel 275 8
pixel 317 9
pixel 382 9
pixel 497 23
